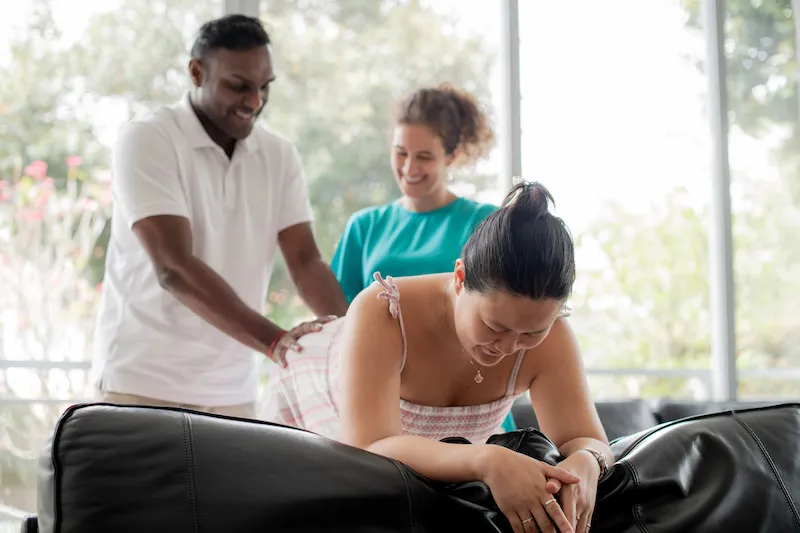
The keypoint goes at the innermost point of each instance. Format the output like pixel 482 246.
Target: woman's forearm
pixel 439 461
pixel 581 443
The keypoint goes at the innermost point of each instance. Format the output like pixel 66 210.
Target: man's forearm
pixel 320 290
pixel 201 289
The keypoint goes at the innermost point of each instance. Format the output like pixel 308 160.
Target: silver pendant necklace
pixel 478 377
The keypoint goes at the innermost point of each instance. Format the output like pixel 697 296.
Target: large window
pixel 614 123
pixel 762 79
pixel 70 74
pixel 616 120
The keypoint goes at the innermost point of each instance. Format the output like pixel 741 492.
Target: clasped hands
pixel 577 500
pixel 564 497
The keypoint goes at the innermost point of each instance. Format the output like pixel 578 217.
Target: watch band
pixel 601 460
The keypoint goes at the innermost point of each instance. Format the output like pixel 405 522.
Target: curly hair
pixel 455 115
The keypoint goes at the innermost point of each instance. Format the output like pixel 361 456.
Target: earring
pixel 450 176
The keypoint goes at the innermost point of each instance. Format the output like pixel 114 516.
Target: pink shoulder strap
pixel 391 293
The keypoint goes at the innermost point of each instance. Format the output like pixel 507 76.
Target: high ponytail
pixel 533 195
pixel 522 248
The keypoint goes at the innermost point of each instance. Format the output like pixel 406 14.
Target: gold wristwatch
pixel 601 460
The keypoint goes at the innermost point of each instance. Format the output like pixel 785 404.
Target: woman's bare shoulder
pixel 412 292
pixel 415 298
pixel 370 329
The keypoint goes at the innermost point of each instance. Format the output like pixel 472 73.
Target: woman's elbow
pixel 370 443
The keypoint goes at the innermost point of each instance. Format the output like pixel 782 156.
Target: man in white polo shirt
pixel 203 198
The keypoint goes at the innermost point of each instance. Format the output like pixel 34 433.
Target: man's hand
pixel 288 340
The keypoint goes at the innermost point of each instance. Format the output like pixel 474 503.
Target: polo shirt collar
pixel 196 134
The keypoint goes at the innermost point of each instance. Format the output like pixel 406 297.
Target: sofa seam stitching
pixel 190 468
pixel 773 468
pixel 636 507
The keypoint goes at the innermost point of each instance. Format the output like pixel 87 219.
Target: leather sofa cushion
pixel 669 410
pixel 141 469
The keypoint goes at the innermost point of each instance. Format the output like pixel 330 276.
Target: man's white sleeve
pixel 295 207
pixel 145 179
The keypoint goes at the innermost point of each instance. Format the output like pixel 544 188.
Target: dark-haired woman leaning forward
pixel 436 129
pixel 422 358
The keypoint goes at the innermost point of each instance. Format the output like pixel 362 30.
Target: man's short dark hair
pixel 233 32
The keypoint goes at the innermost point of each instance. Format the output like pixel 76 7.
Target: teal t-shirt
pixel 397 242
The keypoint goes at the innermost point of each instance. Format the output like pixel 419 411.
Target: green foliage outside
pixel 341 65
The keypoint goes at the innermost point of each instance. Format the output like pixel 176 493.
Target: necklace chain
pixel 478 376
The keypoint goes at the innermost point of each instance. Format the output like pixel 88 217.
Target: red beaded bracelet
pixel 275 343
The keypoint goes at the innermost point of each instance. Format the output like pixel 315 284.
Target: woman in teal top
pixel 424 231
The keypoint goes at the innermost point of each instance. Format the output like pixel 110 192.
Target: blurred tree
pixel 645 304
pixel 37 118
pixel 147 65
pixel 762 77
pixel 762 86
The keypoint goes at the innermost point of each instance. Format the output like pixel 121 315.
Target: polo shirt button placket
pixel 230 187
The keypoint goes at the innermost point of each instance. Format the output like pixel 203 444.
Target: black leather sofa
pixel 113 468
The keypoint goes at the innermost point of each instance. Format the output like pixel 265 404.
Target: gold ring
pixel 548 502
pixel 527 520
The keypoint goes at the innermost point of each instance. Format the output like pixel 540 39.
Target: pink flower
pixel 88 204
pixel 74 161
pixel 36 170
pixel 32 215
pixel 41 200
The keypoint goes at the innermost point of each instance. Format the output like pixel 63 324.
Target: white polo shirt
pixel 148 343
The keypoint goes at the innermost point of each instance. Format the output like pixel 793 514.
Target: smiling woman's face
pixel 419 161
pixel 493 325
